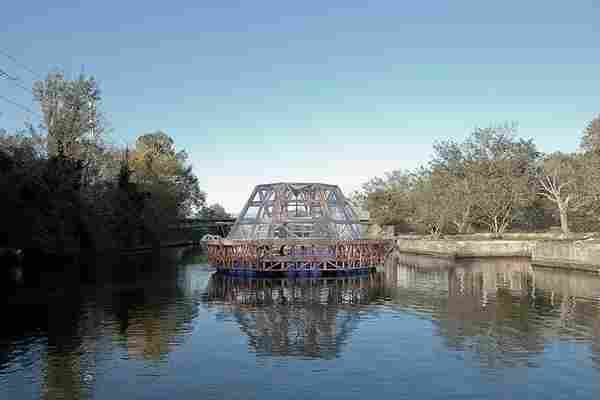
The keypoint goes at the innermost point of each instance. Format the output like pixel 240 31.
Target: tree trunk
pixel 463 224
pixel 564 225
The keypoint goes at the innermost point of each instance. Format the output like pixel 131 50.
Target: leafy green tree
pixel 71 120
pixel 497 192
pixel 65 190
pixel 389 207
pixel 394 181
pixel 496 153
pixel 155 157
pixel 41 202
pixel 162 172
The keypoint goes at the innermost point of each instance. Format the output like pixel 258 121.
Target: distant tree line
pixel 65 188
pixel 492 181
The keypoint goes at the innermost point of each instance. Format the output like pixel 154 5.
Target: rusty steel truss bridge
pixel 296 228
pixel 298 211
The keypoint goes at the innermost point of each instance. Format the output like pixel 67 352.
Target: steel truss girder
pixel 296 210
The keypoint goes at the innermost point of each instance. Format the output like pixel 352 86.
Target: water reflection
pixel 298 318
pixel 501 310
pixel 75 336
pixel 63 322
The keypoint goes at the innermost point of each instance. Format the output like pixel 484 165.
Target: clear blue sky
pixel 335 91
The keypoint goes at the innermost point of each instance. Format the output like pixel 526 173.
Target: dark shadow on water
pixel 66 313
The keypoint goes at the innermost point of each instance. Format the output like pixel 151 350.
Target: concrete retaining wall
pixel 574 255
pixel 463 248
pixel 579 255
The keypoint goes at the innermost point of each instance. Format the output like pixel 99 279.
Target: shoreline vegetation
pixel 494 182
pixel 494 194
pixel 68 190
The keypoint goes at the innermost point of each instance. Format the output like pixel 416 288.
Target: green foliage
pixel 389 207
pixel 41 207
pixel 64 190
pixel 498 189
pixel 395 181
pixel 163 172
pixel 486 181
pixel 71 118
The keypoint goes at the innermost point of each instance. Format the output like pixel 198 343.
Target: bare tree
pixel 561 183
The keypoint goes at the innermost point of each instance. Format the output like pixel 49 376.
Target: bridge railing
pixel 284 254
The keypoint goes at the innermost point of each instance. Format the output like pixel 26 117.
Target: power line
pixel 25 67
pixel 21 106
pixel 15 80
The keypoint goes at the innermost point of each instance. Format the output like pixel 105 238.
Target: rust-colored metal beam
pixel 297 210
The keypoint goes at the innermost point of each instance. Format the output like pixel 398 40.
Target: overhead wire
pixel 19 105
pixel 17 82
pixel 17 62
pixel 14 80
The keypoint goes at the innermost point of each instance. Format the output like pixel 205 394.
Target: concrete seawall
pixel 578 255
pixel 466 248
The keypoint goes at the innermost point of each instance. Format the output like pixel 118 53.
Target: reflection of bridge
pixel 288 318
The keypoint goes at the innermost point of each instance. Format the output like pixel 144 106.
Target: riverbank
pixel 572 254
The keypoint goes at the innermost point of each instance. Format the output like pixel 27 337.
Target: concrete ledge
pixel 582 255
pixel 467 249
pixel 574 255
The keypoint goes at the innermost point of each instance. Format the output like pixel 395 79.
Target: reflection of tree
pixel 69 358
pixel 150 314
pixel 305 318
pixel 66 376
pixel 573 300
pixel 501 310
pixel 480 306
pixel 144 303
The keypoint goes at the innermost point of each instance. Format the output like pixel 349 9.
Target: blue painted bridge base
pixel 293 273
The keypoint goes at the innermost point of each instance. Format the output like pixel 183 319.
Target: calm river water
pixel 166 327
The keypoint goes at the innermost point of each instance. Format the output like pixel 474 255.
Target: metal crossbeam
pixel 297 211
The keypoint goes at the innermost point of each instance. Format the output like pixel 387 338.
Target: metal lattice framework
pixel 297 211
